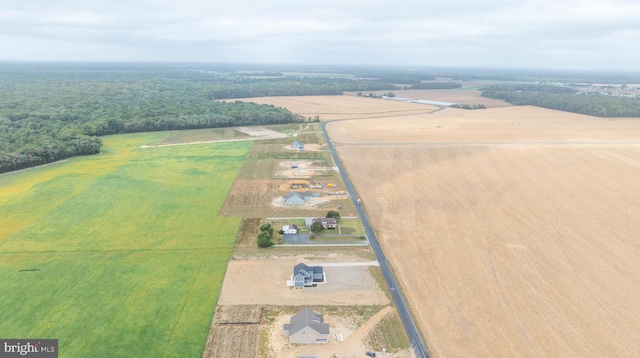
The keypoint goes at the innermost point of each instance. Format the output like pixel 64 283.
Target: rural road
pixel 415 338
pixel 503 143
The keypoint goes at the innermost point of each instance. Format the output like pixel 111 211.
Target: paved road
pixel 417 343
pixel 493 144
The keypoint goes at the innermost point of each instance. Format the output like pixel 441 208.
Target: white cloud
pixel 457 32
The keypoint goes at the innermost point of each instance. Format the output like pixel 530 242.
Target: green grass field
pixel 124 251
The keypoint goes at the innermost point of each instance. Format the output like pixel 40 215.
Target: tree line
pixel 57 114
pixel 566 99
pixel 287 86
pixel 436 85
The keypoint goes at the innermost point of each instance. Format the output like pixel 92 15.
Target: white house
pixel 290 229
pixel 297 145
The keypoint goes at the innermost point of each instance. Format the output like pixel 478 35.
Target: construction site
pixel 273 171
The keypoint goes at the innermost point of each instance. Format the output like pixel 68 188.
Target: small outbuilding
pixel 307 327
pixel 297 145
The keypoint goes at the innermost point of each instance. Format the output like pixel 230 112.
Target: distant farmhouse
pixel 327 223
pixel 297 198
pixel 307 327
pixel 306 276
pixel 297 145
pixel 290 229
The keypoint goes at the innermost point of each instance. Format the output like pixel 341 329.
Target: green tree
pixel 266 227
pixel 333 214
pixel 264 240
pixel 316 227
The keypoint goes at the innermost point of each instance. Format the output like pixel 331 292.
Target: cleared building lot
pixel 263 281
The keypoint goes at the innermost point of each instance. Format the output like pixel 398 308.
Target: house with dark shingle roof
pixel 306 276
pixel 327 223
pixel 307 327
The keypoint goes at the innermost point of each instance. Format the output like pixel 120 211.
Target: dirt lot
pixel 261 198
pixel 303 169
pixel 263 281
pixel 308 147
pixel 250 197
pixel 261 132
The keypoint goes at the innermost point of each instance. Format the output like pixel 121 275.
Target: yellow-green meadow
pixel 118 254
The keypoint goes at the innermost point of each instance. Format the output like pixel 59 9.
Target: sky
pixel 540 34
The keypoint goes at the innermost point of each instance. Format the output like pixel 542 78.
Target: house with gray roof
pixel 307 327
pixel 297 198
pixel 306 276
pixel 297 145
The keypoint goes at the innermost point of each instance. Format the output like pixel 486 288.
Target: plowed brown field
pixel 527 244
pixel 343 107
pixel 522 250
pixel 515 232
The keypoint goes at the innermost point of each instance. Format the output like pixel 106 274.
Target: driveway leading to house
pixel 327 239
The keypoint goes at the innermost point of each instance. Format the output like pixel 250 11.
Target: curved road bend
pixel 417 343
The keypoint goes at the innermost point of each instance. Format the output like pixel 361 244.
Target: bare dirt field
pixel 523 223
pixel 510 124
pixel 250 197
pixel 300 169
pixel 251 281
pixel 308 147
pixel 261 198
pixel 343 107
pixel 233 340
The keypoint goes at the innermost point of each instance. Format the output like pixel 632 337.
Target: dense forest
pixel 50 112
pixel 286 86
pixel 566 99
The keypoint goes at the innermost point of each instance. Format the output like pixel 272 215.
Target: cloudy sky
pixel 550 34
